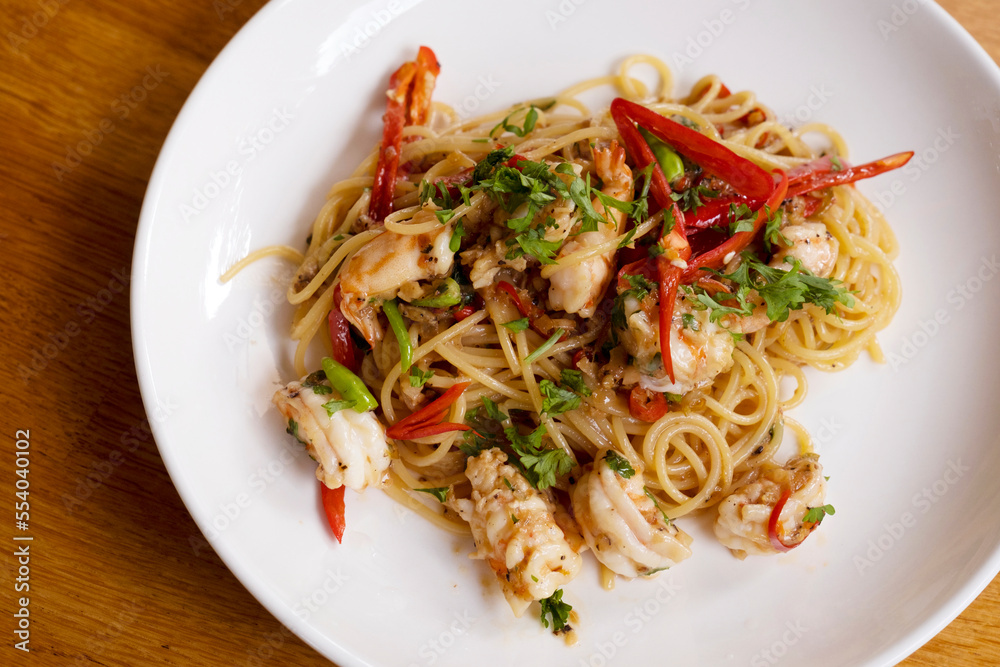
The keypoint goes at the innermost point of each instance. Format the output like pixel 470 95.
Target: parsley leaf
pixel 487 430
pixel 640 288
pixel 741 219
pixel 530 119
pixel 517 325
pixel 418 377
pixel 690 199
pixel 441 492
pixel 816 514
pixel 559 611
pixel 649 493
pixel 619 464
pixel 688 321
pixel 293 430
pixel 533 243
pixel 782 291
pixel 579 192
pixel 456 236
pixel 574 380
pixel 314 381
pixel 335 406
pixel 557 400
pixel 772 232
pixel 540 466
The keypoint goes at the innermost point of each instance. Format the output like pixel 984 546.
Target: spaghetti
pixel 578 323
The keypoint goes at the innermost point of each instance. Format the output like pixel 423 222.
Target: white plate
pixel 294 102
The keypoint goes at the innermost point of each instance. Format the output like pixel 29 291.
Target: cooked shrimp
pixel 515 531
pixel 389 263
pixel 623 525
pixel 699 348
pixel 578 288
pixel 349 446
pixel 744 514
pixel 812 244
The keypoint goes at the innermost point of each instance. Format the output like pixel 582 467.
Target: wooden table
pixel 115 578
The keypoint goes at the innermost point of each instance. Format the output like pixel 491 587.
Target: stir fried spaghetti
pixel 569 327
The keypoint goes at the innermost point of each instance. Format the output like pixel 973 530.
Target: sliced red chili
pixel 670 276
pixel 345 352
pixel 431 415
pixel 822 174
pixel 715 212
pixel 464 311
pixel 716 258
pixel 647 405
pixel 776 532
pixel 335 509
pixel 746 177
pixel 408 102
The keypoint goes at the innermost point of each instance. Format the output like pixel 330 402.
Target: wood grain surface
pixel 119 574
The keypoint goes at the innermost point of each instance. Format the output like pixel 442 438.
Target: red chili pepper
pixel 345 352
pixel 647 405
pixel 335 510
pixel 820 173
pixel 747 178
pixel 464 311
pixel 529 310
pixel 810 205
pixel 670 277
pixel 409 98
pixel 428 419
pixel 775 531
pixel 716 258
pixel 715 212
pixel 512 292
pixel 645 267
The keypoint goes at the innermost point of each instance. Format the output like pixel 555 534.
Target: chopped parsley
pixel 619 464
pixel 335 406
pixel 574 380
pixel 639 287
pixel 455 243
pixel 772 232
pixel 527 188
pixel 666 519
pixel 314 381
pixel 440 492
pixel 486 431
pixel 532 242
pixel 293 430
pixel 741 218
pixel 530 119
pixel 544 347
pixel 688 321
pixel 517 325
pixel 556 399
pixel 540 466
pixel 554 607
pixel 418 377
pixel 782 291
pixel 690 199
pixel 816 514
